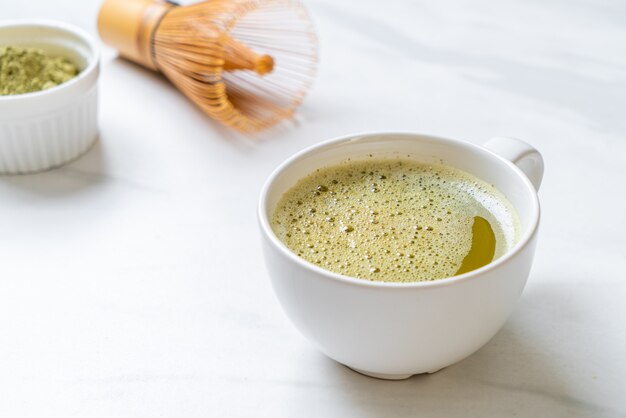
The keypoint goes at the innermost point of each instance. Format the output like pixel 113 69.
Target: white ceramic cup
pixel 394 330
pixel 48 128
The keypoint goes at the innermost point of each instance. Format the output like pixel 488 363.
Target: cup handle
pixel 523 155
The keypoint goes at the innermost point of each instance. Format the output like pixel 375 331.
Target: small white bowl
pixel 48 128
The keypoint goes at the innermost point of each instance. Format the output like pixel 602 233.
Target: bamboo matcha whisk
pixel 246 63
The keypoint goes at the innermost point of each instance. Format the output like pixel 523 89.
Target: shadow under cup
pixel 395 330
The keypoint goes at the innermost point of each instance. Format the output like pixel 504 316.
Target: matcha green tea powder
pixel 25 70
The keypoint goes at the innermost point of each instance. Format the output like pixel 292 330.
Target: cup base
pixel 382 376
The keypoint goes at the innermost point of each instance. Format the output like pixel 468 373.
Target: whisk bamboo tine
pixel 240 57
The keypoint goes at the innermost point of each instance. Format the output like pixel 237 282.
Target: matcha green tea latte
pixel 395 220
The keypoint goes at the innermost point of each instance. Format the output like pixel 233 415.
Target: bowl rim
pixel 524 241
pixel 73 30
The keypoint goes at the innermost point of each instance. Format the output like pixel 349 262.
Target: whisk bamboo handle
pixel 128 26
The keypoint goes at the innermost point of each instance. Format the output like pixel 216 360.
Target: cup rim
pixel 284 250
pixel 92 61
